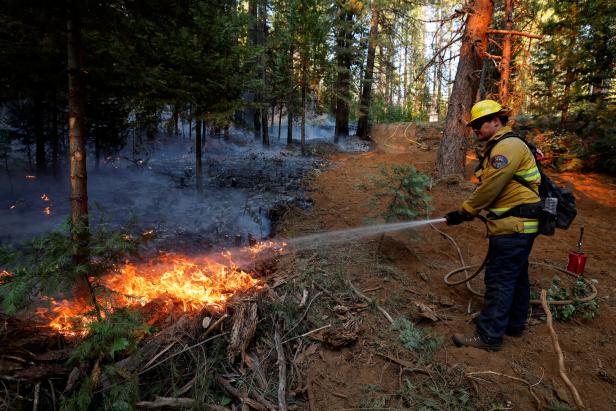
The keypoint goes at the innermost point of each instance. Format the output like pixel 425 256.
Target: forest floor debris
pixel 338 348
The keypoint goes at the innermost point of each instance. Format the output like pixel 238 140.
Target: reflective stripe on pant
pixel 507 295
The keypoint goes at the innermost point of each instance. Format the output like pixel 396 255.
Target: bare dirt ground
pixel 399 271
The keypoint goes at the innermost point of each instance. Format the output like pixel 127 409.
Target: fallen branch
pixel 183 351
pixel 369 301
pixel 406 366
pixel 163 402
pixel 282 370
pixel 304 313
pixel 561 357
pixel 307 333
pixel 511 377
pixel 226 385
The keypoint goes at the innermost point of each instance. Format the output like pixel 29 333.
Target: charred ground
pixel 337 348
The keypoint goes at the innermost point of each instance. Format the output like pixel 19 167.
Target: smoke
pixel 154 184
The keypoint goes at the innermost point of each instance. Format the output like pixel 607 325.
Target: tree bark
pixel 263 72
pixel 41 161
pixel 55 136
pixel 198 156
pixel 452 151
pixel 77 124
pixel 304 86
pixel 505 63
pixel 363 127
pixel 343 63
pixel 290 98
pixel 570 78
pixel 279 119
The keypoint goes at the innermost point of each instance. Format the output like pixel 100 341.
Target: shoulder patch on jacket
pixel 499 161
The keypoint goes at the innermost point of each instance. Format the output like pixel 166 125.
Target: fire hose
pixel 466 280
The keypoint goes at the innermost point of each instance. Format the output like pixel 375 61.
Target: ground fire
pixel 170 282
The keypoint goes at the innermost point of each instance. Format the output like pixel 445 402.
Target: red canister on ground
pixel 577 259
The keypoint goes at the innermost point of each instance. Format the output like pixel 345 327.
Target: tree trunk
pixel 279 119
pixel 176 120
pixel 55 137
pixel 452 151
pixel 363 127
pixel 77 126
pixel 263 72
pixel 253 40
pixel 343 58
pixel 290 98
pixel 190 116
pixel 265 131
pixel 304 86
pixel 505 64
pixel 198 157
pixel 41 161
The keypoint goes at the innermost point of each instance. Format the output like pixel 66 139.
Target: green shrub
pixel 406 188
pixel 585 310
pixel 418 340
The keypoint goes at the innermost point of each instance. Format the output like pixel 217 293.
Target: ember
pixel 173 279
pixel 4 275
pixel 30 177
pixel 47 210
pixel 45 197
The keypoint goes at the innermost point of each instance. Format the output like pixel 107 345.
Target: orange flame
pixel 44 197
pixel 30 177
pixel 4 275
pixel 47 210
pixel 192 284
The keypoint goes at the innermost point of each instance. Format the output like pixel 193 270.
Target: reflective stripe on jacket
pixel 498 192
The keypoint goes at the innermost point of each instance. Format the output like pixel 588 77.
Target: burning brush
pixel 164 285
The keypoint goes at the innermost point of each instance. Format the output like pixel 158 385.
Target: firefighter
pixel 511 206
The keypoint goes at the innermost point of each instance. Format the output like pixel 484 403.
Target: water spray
pixel 339 236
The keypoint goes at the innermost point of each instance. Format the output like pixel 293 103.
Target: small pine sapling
pixel 405 188
pixel 47 268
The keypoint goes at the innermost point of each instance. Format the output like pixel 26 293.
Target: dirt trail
pixel 359 377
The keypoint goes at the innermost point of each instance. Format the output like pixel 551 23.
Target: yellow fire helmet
pixel 485 108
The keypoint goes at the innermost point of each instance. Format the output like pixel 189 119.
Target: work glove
pixel 458 217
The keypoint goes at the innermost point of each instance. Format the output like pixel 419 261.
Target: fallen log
pixel 243 329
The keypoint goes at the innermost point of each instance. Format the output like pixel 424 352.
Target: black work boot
pixel 514 333
pixel 473 340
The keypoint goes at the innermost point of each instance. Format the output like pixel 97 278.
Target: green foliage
pixel 373 398
pixel 448 389
pixel 380 112
pixel 105 338
pixel 406 188
pixel 48 265
pixel 417 340
pixel 80 400
pixel 573 76
pixel 54 264
pixel 585 310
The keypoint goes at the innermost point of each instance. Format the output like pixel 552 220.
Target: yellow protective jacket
pixel 498 192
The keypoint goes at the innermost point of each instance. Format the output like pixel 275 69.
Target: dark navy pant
pixel 507 296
